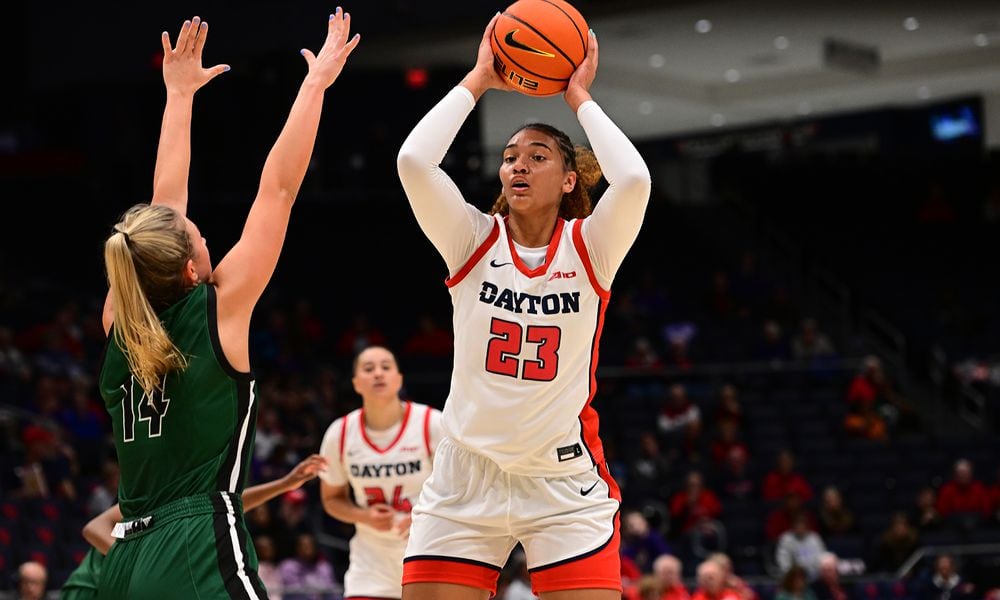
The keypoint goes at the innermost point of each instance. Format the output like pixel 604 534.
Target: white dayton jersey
pixel 382 467
pixel 525 355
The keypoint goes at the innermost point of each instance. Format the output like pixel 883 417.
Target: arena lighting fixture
pixel 981 39
pixel 923 92
pixel 657 61
pixel 781 43
pixel 645 107
pixel 732 75
pixel 805 107
pixel 703 26
pixel 911 24
pixel 718 120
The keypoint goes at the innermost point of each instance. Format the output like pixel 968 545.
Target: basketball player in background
pixel 84 581
pixel 521 460
pixel 176 374
pixel 382 452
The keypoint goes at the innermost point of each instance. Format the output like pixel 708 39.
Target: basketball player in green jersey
pixel 176 374
pixel 84 581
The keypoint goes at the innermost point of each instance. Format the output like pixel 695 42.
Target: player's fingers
pixel 336 20
pixel 182 37
pixel 216 71
pixel 593 50
pixel 199 42
pixel 192 40
pixel 351 45
pixel 490 26
pixel 308 55
pixel 165 41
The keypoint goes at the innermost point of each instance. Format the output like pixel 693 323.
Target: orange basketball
pixel 537 44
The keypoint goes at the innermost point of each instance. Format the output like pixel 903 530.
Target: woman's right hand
pixel 325 67
pixel 182 70
pixel 484 76
pixel 379 516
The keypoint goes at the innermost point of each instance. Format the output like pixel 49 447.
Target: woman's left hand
pixel 578 89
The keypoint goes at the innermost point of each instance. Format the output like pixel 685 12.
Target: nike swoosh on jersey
pixel 510 41
pixel 588 490
pixel 494 263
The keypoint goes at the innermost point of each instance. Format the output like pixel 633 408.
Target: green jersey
pixel 196 435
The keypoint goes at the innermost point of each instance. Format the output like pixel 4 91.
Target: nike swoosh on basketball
pixel 588 490
pixel 509 39
pixel 494 263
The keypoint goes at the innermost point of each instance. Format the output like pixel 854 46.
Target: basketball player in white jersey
pixel 383 453
pixel 521 460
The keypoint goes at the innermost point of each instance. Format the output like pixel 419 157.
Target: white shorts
pixel 472 512
pixel 375 568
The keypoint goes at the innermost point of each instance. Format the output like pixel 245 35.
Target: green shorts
pixel 193 547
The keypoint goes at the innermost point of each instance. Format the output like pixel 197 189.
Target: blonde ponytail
pixel 145 259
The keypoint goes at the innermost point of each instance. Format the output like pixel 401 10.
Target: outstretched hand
pixel 307 469
pixel 325 67
pixel 182 70
pixel 578 88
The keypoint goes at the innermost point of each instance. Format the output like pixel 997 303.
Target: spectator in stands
pixel 359 335
pixel 712 583
pixel 641 543
pixel 925 515
pixel 734 480
pixel 648 588
pixel 678 337
pixel 643 355
pixel 85 424
pixel 693 504
pixel 267 567
pixel 784 478
pixel 795 585
pixel 649 474
pixel 780 519
pixel 810 344
pixel 731 580
pixel 307 575
pixel 430 341
pixel 667 571
pixel 963 500
pixel 46 471
pixel 105 493
pixel 680 422
pixel 872 389
pixel 944 582
pixel 772 347
pixel 994 493
pixel 32 580
pixel 827 585
pixel 727 438
pixel 896 544
pixel 729 408
pixel 800 546
pixel 262 522
pixel 835 518
pixel 13 363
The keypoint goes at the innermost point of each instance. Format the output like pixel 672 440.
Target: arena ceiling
pixel 673 67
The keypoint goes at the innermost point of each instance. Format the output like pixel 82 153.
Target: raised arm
pixel 452 225
pixel 183 75
pixel 306 470
pixel 243 273
pixel 614 225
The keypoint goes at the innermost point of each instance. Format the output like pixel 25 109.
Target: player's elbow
pixel 636 182
pixel 407 161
